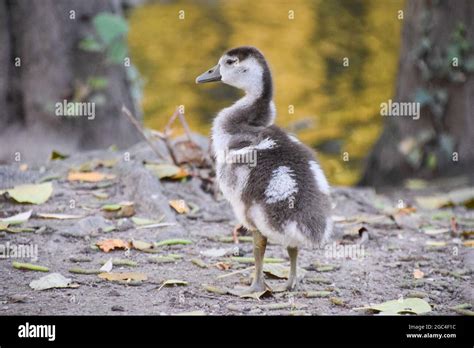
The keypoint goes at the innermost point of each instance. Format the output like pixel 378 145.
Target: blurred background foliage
pixel 331 107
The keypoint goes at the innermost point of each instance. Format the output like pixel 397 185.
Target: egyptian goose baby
pixel 272 181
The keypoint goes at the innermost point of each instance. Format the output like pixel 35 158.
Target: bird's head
pixel 242 67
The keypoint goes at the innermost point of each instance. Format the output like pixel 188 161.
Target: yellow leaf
pixel 164 170
pixel 89 176
pixel 31 193
pixel 469 243
pixel 124 276
pixel 180 206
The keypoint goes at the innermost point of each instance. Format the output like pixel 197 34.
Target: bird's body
pixel 273 182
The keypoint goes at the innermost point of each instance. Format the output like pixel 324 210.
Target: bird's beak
pixel 213 74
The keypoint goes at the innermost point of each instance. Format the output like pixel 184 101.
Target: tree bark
pixel 441 141
pixel 53 68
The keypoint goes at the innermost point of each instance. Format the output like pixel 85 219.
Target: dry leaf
pixel 107 267
pixel 111 244
pixel 469 243
pixel 171 282
pixel 89 176
pixel 179 205
pixel 418 274
pixel 141 245
pixel 58 216
pixel 222 266
pixel 170 171
pixel 124 276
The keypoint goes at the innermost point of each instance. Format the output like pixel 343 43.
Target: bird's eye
pixel 230 61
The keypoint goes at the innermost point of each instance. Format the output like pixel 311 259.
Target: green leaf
pixel 56 155
pixel 109 27
pixel 90 45
pixel 97 83
pixel 408 305
pixel 117 52
pixel 431 161
pixel 31 193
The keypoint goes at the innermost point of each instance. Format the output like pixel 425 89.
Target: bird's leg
pixel 259 245
pixel 292 282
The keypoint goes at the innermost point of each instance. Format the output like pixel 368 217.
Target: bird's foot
pixel 290 285
pixel 256 287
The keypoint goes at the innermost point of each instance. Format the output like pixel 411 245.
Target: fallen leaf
pixel 469 243
pixel 214 289
pixel 143 221
pixel 282 272
pixel 313 294
pixel 434 231
pixel 222 266
pixel 17 219
pixel 124 276
pixel 31 193
pixel 107 267
pixel 215 252
pixel 179 205
pixel 199 263
pixel 111 244
pixel 53 280
pixel 58 216
pixel 408 305
pixel 418 274
pixel 164 170
pixel 141 245
pixel 119 210
pixel 162 259
pixel 89 176
pixel 435 243
pixel 29 267
pixel 100 195
pixel 172 242
pixel 173 282
pixel 406 210
pixel 337 301
pixel 56 155
pixel 463 196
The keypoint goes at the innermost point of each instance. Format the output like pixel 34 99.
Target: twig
pixel 134 121
pixel 235 272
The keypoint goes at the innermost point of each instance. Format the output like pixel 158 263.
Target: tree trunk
pixel 41 65
pixel 436 70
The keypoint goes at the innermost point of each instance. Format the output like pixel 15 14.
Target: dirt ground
pixel 394 247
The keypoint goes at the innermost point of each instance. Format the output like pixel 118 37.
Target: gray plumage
pixel 272 180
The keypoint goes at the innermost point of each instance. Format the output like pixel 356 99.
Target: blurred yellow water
pixel 332 107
